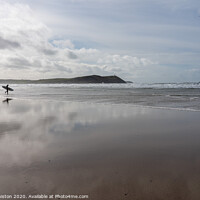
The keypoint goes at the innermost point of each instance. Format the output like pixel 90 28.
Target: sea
pixel 180 96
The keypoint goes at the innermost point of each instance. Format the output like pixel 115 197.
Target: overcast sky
pixel 138 40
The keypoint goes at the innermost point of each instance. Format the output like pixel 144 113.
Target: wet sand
pixel 104 151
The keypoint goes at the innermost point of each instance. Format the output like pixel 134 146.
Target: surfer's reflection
pixel 7 100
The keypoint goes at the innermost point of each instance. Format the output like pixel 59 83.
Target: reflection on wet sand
pixel 7 100
pixel 105 151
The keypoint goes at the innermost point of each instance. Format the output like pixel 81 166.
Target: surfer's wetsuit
pixel 6 89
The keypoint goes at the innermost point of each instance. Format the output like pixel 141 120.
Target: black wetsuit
pixel 6 89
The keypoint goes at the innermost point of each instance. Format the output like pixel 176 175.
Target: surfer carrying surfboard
pixel 7 88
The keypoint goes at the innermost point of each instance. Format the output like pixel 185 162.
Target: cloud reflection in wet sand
pixel 106 151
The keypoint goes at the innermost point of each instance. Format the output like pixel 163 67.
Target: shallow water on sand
pixel 104 151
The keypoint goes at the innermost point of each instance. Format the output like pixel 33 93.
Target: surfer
pixel 6 89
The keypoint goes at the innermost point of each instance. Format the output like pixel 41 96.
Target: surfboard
pixel 10 89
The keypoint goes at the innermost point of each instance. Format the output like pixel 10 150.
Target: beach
pixel 100 150
pixel 100 99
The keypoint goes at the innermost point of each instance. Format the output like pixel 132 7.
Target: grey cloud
pixel 44 70
pixel 8 44
pixel 20 63
pixel 61 68
pixel 12 66
pixel 37 63
pixel 72 55
pixel 116 70
pixel 49 52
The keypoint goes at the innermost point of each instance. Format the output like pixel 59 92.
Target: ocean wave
pixel 117 86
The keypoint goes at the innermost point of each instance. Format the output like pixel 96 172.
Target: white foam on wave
pixel 126 86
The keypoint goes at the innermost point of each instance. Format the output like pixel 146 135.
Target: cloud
pixel 126 59
pixel 20 63
pixel 35 54
pixel 8 44
pixel 132 41
pixel 49 52
pixel 72 55
pixel 63 44
pixel 62 68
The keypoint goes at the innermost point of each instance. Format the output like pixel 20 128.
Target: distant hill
pixel 77 80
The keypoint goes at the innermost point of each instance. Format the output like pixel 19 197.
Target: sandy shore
pixel 103 151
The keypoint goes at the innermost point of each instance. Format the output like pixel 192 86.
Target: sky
pixel 144 41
